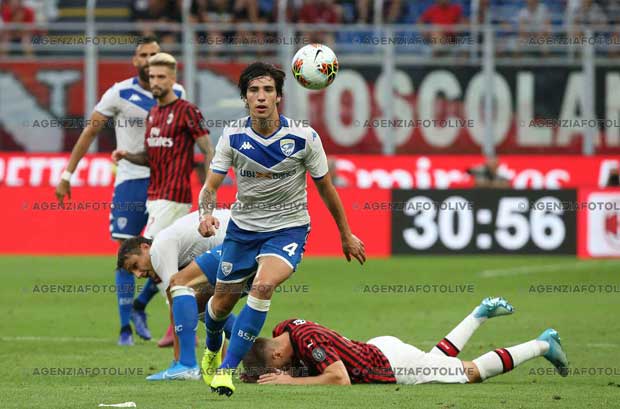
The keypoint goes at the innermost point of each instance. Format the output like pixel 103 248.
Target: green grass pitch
pixel 43 330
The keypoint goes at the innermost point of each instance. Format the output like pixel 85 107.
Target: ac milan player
pixel 126 102
pixel 173 125
pixel 172 128
pixel 318 355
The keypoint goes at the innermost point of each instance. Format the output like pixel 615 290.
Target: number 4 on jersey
pixel 290 249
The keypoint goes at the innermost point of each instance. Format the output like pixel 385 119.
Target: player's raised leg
pixel 453 343
pixel 238 265
pixel 272 271
pixel 503 360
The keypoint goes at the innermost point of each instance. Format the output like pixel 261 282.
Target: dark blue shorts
pixel 128 216
pixel 209 263
pixel 242 249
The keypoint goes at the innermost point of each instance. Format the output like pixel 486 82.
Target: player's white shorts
pixel 412 366
pixel 162 213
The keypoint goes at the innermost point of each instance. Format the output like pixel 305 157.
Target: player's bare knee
pixel 472 372
pixel 221 304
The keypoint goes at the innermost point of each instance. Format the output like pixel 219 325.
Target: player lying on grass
pixel 178 259
pixel 319 355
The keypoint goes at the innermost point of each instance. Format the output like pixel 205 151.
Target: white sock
pixel 454 342
pixel 505 359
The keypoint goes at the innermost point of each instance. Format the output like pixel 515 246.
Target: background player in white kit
pixel 270 221
pixel 127 103
pixel 179 258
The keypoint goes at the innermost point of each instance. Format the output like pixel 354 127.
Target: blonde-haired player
pixel 173 126
pixel 127 103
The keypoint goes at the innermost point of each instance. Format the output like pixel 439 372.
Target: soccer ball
pixel 315 66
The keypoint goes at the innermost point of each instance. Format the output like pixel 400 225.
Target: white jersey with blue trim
pixel 270 173
pixel 128 104
pixel 180 243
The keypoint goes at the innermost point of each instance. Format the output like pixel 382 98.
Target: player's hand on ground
pixel 277 378
pixel 208 225
pixel 353 247
pixel 63 189
pixel 117 155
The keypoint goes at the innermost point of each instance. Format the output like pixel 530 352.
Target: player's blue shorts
pixel 128 215
pixel 209 263
pixel 242 249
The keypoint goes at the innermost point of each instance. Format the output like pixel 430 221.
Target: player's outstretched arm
pixel 206 204
pixel 96 124
pixel 351 245
pixel 334 374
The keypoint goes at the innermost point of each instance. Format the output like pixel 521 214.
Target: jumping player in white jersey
pixel 270 222
pixel 180 260
pixel 127 103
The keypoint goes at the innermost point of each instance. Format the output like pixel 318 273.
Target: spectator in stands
pixel 217 12
pixel 44 10
pixel 246 11
pixel 534 27
pixel 444 15
pixel 587 13
pixel 488 175
pixel 14 11
pixel 612 11
pixel 149 12
pixel 365 10
pixel 320 12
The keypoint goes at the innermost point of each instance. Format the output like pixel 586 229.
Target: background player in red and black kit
pixel 305 353
pixel 172 128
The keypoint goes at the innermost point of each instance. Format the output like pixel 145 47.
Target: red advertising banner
pixel 38 226
pixel 437 110
pixel 358 171
pixel 443 172
pixel 34 223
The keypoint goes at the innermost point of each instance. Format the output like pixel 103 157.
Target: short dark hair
pixel 129 247
pixel 146 40
pixel 255 361
pixel 261 69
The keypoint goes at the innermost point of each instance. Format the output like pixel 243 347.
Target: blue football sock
pixel 228 325
pixel 214 329
pixel 125 283
pixel 147 293
pixel 249 324
pixel 185 314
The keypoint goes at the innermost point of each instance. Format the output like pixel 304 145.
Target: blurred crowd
pixel 522 20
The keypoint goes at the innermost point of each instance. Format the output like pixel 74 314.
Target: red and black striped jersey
pixel 170 134
pixel 316 347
